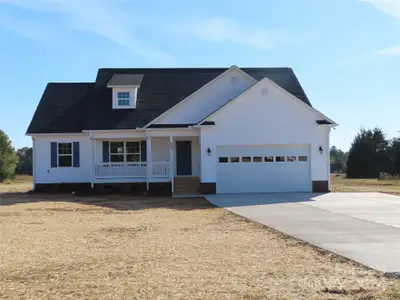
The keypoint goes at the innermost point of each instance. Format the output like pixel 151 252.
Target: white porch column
pixel 149 162
pixel 93 161
pixel 34 163
pixel 171 161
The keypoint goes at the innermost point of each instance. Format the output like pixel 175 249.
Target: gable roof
pixel 325 121
pixel 160 90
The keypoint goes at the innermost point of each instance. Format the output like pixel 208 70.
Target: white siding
pixel 264 119
pixel 43 171
pixel 203 103
pixel 160 149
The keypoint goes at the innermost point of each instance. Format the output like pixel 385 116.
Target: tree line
pixel 13 161
pixel 371 155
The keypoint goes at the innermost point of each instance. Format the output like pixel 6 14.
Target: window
pixel 291 158
pixel 280 159
pixel 246 159
pixel 269 159
pixel 223 160
pixel 117 152
pixel 125 152
pixel 124 98
pixel 235 159
pixel 65 154
pixel 257 159
pixel 132 151
pixel 303 158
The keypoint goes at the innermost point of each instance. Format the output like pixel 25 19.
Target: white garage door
pixel 263 169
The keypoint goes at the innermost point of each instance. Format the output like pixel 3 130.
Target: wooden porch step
pixel 186 185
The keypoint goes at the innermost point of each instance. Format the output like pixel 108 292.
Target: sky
pixel 346 53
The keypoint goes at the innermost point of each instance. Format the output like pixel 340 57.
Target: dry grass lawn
pixel 342 184
pixel 119 247
pixel 21 183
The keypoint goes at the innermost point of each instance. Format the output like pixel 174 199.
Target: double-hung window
pixel 117 152
pixel 132 151
pixel 64 154
pixel 124 98
pixel 125 152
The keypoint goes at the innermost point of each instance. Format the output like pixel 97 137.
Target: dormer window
pixel 124 98
pixel 124 90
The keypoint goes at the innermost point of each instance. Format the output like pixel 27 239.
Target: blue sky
pixel 346 53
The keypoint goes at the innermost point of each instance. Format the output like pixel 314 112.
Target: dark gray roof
pixel 62 108
pixel 125 79
pixel 90 105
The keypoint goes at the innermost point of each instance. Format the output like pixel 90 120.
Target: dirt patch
pixel 165 249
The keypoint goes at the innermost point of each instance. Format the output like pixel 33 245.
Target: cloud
pixel 106 19
pixel 391 7
pixel 395 50
pixel 220 30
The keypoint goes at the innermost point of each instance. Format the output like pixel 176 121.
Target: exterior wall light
pixel 209 151
pixel 321 150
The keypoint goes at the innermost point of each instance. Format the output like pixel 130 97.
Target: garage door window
pixel 223 160
pixel 235 159
pixel 257 159
pixel 303 158
pixel 280 159
pixel 269 159
pixel 246 159
pixel 291 158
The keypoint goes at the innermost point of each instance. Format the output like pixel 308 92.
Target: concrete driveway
pixel 364 227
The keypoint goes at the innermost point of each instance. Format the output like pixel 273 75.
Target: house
pixel 184 130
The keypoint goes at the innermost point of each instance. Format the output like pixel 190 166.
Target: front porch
pixel 151 160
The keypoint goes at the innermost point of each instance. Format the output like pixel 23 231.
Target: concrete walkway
pixel 364 227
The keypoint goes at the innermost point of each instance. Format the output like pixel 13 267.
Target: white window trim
pixel 132 97
pixel 125 153
pixel 72 154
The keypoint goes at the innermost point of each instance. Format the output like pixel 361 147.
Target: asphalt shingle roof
pixel 62 108
pixel 73 107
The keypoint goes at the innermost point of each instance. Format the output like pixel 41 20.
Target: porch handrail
pixel 160 168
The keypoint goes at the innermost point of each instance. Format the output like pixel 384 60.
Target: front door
pixel 183 158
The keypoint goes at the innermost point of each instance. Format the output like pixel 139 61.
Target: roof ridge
pixel 71 82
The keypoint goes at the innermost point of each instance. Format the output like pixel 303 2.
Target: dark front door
pixel 183 158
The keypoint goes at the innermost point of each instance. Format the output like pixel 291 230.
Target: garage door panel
pixel 264 176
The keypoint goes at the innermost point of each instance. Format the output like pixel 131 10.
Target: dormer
pixel 124 90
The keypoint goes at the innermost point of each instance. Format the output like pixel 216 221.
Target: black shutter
pixel 106 151
pixel 76 154
pixel 53 154
pixel 143 151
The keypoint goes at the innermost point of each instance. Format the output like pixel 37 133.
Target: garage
pixel 263 169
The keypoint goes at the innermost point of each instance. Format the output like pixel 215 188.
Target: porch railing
pixel 160 168
pixel 121 170
pixel 131 170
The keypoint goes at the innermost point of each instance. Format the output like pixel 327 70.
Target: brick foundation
pixel 61 187
pixel 160 189
pixel 82 189
pixel 208 188
pixel 320 187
